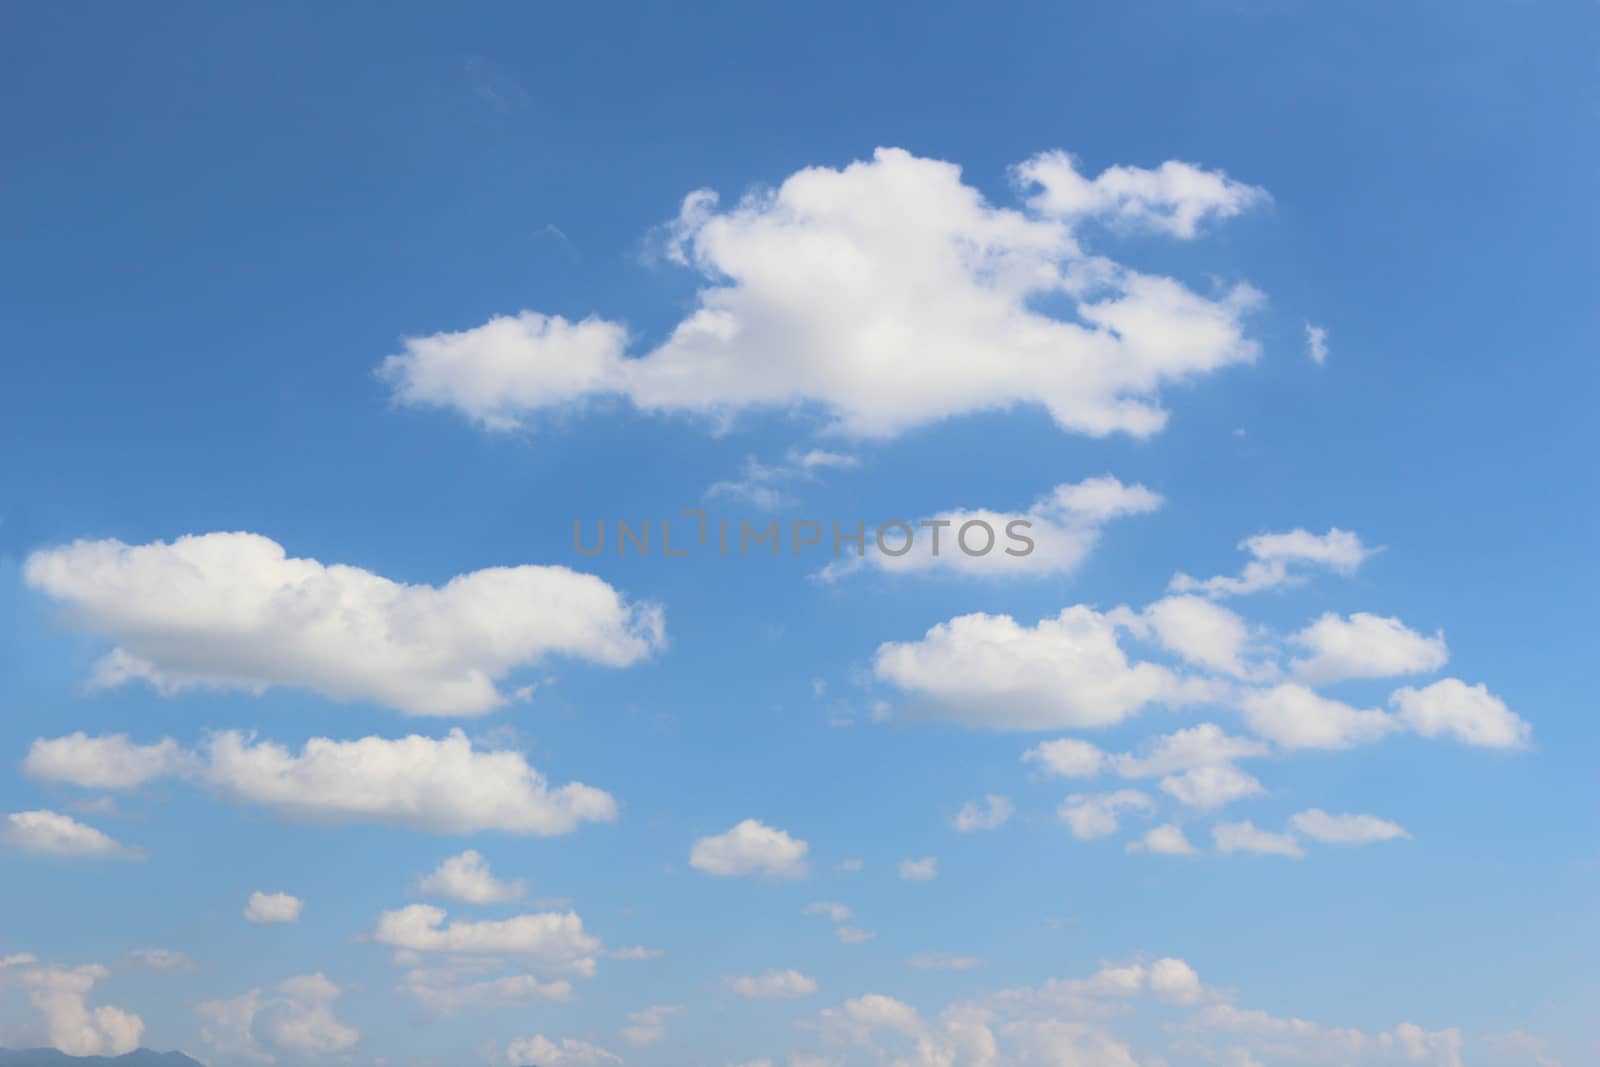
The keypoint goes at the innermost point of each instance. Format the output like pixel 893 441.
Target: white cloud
pixel 1053 536
pixel 854 935
pixel 1209 788
pixel 1067 757
pixel 109 761
pixel 466 878
pixel 540 1051
pixel 1279 558
pixel 750 848
pixel 989 671
pixel 1245 837
pixel 1199 632
pixel 232 610
pixel 648 1026
pixel 1204 745
pixel 1365 646
pixel 1174 199
pixel 264 909
pixel 555 941
pixel 866 293
pixel 1317 344
pixel 61 994
pixel 54 834
pixel 442 785
pixel 1470 713
pixel 296 1018
pixel 774 985
pixel 1345 829
pixel 1164 840
pixel 990 814
pixel 923 870
pixel 1096 815
pixel 1292 716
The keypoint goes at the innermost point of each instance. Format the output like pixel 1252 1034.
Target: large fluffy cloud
pixel 234 610
pixel 888 294
pixel 991 671
pixel 60 995
pixel 443 785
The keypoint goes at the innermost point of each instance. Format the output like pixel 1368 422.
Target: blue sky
pixel 262 275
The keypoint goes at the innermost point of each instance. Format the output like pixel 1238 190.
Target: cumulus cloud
pixel 922 870
pixel 1094 815
pixel 1345 829
pixel 466 878
pixel 540 1051
pixel 989 814
pixel 865 293
pixel 296 1018
pixel 750 848
pixel 1053 536
pixel 1164 840
pixel 1204 745
pixel 1469 713
pixel 443 785
pixel 1293 716
pixel 265 909
pixel 1201 633
pixel 774 985
pixel 61 996
pixel 1246 837
pixel 990 671
pixel 1209 788
pixel 54 834
pixel 1281 559
pixel 1174 199
pixel 1365 646
pixel 106 762
pixel 554 941
pixel 1066 757
pixel 234 611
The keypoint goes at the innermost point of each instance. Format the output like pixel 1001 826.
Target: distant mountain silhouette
pixel 49 1057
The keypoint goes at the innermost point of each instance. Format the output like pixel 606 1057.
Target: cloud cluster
pixel 235 611
pixel 295 1018
pixel 60 995
pixel 441 785
pixel 886 294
